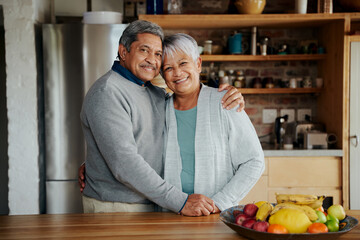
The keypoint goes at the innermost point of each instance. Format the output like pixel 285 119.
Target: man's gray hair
pixel 180 42
pixel 137 27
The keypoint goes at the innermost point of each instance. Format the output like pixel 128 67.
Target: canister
pixel 208 47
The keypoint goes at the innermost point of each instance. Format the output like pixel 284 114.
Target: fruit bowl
pixel 228 218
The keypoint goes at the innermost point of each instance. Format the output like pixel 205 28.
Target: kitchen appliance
pixel 74 56
pixel 298 130
pixel 280 123
pixel 315 140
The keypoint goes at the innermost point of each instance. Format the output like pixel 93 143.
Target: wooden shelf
pixel 279 90
pixel 239 58
pixel 218 21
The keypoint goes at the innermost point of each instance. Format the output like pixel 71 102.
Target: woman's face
pixel 181 73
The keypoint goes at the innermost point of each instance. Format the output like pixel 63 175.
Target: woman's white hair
pixel 180 42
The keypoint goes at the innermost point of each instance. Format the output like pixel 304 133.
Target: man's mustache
pixel 148 65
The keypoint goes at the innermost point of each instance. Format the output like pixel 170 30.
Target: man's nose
pixel 151 58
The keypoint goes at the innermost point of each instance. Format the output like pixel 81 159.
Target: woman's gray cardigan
pixel 228 156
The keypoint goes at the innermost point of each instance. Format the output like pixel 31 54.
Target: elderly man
pixel 123 118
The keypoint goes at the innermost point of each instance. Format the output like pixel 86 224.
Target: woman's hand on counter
pixel 198 205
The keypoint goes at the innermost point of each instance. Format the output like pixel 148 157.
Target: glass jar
pixel 307 82
pixel 208 47
pixel 239 81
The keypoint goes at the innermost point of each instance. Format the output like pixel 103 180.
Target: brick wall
pixel 255 104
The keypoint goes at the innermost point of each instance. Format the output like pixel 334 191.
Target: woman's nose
pixel 177 72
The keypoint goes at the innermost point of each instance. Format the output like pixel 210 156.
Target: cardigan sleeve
pixel 247 159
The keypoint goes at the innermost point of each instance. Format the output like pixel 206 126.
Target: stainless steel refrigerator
pixel 74 56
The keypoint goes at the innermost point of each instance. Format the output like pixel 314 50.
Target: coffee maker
pixel 280 125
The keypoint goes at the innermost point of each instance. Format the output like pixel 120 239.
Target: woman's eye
pixel 167 69
pixel 183 63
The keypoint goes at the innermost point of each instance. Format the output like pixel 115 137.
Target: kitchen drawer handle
pixel 356 139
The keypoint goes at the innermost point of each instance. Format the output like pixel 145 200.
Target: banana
pixel 300 199
pixel 318 203
pixel 264 211
pixel 310 212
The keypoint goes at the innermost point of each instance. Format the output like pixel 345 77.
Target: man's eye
pixel 143 49
pixel 183 63
pixel 159 55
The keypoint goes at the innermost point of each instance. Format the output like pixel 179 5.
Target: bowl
pixel 250 6
pixel 102 17
pixel 228 218
pixel 350 5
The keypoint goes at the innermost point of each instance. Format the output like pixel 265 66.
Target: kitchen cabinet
pixel 331 101
pixel 298 175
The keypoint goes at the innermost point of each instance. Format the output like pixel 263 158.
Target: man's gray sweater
pixel 123 125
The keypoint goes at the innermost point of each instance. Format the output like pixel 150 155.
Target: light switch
pixel 289 112
pixel 269 115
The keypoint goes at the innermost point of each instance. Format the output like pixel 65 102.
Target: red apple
pixel 261 226
pixel 250 209
pixel 236 212
pixel 240 218
pixel 248 223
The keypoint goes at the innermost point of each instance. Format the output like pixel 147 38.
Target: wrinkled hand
pixel 198 205
pixel 81 177
pixel 232 98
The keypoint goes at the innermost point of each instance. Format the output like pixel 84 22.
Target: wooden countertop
pixel 123 226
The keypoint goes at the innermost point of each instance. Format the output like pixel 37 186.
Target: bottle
pixel 208 47
pixel 239 82
pixel 154 7
pixel 232 76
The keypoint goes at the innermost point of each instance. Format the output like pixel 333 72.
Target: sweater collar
pixel 128 75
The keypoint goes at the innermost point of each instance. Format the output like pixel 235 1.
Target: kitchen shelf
pixel 279 90
pixel 239 58
pixel 234 21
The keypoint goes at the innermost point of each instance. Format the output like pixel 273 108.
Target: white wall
pixel 21 91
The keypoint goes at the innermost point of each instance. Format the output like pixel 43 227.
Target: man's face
pixel 144 58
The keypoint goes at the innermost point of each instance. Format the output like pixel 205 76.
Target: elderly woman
pixel 208 150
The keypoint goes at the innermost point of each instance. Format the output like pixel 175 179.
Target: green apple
pixel 337 211
pixel 332 225
pixel 332 218
pixel 321 217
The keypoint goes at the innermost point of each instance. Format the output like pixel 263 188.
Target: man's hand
pixel 198 205
pixel 81 178
pixel 232 98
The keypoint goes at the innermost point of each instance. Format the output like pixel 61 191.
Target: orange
pixel 318 228
pixel 277 228
pixel 321 209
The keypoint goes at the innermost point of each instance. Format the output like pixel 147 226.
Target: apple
pixel 240 218
pixel 236 212
pixel 261 226
pixel 250 209
pixel 337 211
pixel 248 223
pixel 321 217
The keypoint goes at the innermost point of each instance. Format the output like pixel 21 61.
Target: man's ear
pixel 122 52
